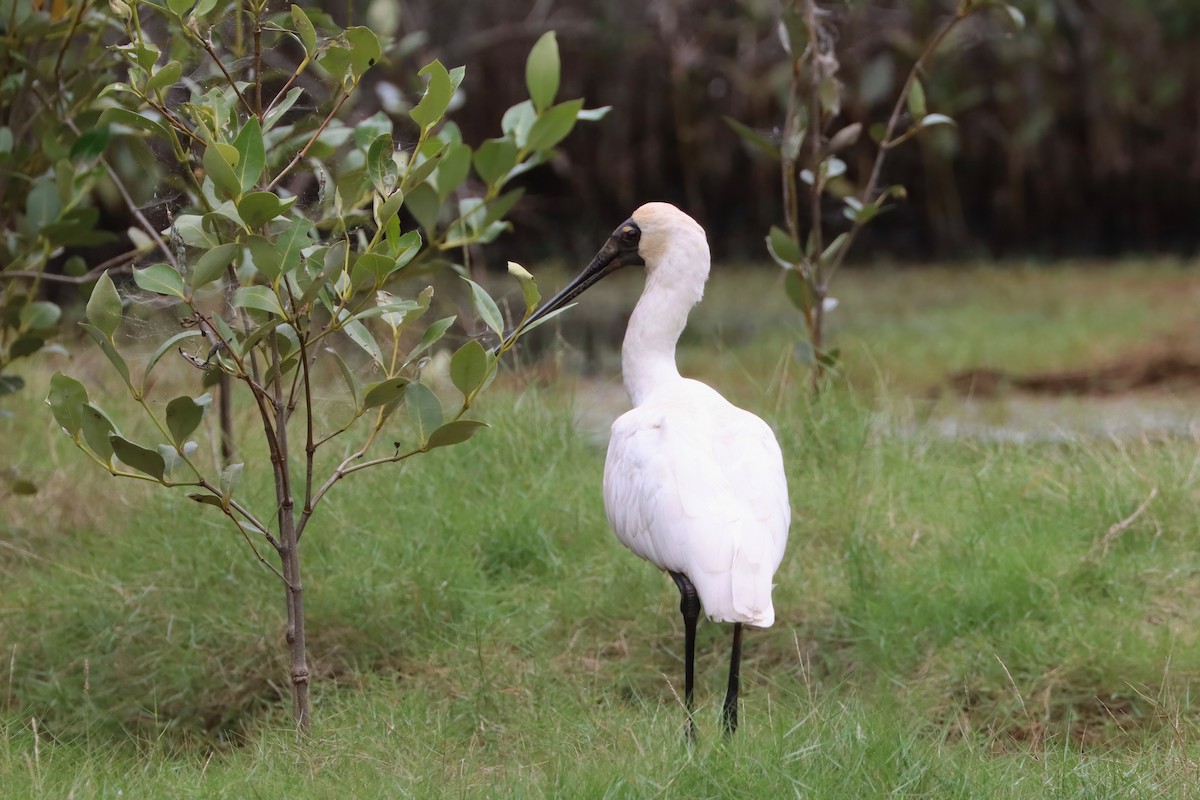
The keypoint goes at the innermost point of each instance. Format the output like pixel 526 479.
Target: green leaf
pixel 164 78
pixel 219 160
pixel 752 138
pixel 192 231
pixel 916 99
pixel 431 336
pixel 160 279
pixel 42 205
pixel 553 125
pixel 282 107
pixel 366 131
pixel 424 409
pixel 266 257
pixel 304 27
pixel 208 499
pixel 183 416
pixel 486 307
pixel 1014 14
pixel 936 119
pixel 834 248
pixel 542 71
pixel 106 346
pixel 453 169
pixel 469 367
pixel 351 380
pixel 381 167
pixel 494 159
pixel 97 427
pixel 362 337
pixel 406 248
pixel 336 60
pixel 385 391
pixel 418 173
pixel 25 346
pixel 180 7
pixel 784 249
pixel 123 116
pixel 39 314
pixel 543 320
pixel 161 351
pixel 517 121
pixel 230 476
pixel 799 290
pixel 500 207
pixel 91 144
pixel 528 287
pixel 423 203
pixel 371 270
pixel 437 96
pixel 454 432
pixel 387 209
pixel 364 49
pixel 252 155
pixel 258 208
pixel 10 383
pixel 593 114
pixel 66 399
pixel 148 461
pixel 213 263
pixel 260 298
pixel 104 306
pixel 291 242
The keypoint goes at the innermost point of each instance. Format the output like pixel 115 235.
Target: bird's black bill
pixel 621 250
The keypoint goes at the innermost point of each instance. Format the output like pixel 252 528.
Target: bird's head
pixel 658 236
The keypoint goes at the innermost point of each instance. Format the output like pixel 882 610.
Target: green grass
pixel 954 617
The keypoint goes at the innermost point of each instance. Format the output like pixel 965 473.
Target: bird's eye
pixel 629 234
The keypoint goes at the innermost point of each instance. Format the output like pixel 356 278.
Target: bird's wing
pixel 698 487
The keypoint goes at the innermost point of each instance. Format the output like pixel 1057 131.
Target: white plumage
pixel 692 483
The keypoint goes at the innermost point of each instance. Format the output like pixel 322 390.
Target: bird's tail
pixel 751 580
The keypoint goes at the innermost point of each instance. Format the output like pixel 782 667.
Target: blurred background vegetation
pixel 1076 135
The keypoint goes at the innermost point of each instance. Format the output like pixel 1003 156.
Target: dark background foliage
pixel 1076 135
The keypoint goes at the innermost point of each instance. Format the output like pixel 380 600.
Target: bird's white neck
pixel 648 352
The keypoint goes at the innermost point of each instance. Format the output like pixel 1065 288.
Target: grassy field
pixel 959 616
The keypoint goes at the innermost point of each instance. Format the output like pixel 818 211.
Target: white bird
pixel 692 483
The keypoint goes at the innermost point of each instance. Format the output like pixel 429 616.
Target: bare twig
pixel 312 140
pixel 115 264
pixel 1117 528
pixel 207 45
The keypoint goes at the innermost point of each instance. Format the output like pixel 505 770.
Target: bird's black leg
pixel 689 606
pixel 731 696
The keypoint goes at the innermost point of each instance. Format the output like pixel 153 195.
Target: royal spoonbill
pixel 692 483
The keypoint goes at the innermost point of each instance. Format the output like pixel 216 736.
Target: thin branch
pixel 207 45
pixel 283 92
pixel 814 126
pixel 308 145
pixel 310 445
pixel 66 44
pixel 902 99
pixel 870 187
pixel 138 215
pixel 257 554
pixel 115 264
